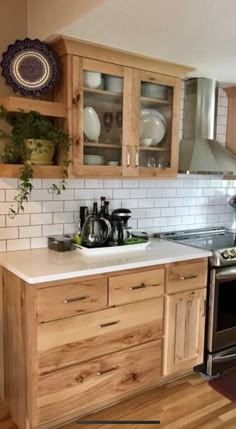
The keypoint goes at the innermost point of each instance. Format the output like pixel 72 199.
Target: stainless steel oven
pixel 221 326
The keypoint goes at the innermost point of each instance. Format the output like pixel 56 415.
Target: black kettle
pixel 96 230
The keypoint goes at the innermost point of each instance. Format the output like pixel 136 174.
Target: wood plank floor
pixel 189 403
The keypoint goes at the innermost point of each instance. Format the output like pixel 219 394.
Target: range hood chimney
pixel 199 151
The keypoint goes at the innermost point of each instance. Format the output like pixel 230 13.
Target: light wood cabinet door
pixel 155 124
pixel 100 381
pixel 184 331
pixel 184 276
pixel 101 118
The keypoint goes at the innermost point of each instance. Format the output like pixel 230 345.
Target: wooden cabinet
pixel 78 355
pixel 106 117
pixel 184 316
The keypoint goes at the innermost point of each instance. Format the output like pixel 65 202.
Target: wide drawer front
pixel 100 381
pixel 136 287
pixel 66 342
pixel 71 299
pixel 187 276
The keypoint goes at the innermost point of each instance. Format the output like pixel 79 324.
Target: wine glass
pixel 119 124
pixel 108 121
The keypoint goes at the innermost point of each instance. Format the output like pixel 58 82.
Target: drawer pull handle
pixel 78 298
pixel 104 325
pixel 142 286
pixel 194 276
pixel 105 371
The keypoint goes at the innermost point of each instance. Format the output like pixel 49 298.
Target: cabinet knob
pixel 76 99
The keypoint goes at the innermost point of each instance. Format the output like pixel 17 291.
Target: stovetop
pixel 219 240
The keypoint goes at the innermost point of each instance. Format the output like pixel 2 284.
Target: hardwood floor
pixel 189 403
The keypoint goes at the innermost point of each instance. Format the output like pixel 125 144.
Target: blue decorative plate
pixel 30 67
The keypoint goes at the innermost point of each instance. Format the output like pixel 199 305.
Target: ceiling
pixel 198 33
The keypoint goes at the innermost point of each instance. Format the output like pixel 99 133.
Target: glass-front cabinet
pixel 125 121
pixel 155 124
pixel 101 118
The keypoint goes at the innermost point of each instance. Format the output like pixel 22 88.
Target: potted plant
pixel 33 140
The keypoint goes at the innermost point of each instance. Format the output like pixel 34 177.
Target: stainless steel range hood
pixel 199 151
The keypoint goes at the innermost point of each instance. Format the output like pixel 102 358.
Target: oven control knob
pixel 225 254
pixel 232 253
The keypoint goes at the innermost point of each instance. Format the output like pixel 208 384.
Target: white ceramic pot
pixel 113 83
pixel 92 79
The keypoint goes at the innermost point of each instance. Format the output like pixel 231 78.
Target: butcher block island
pixel 80 334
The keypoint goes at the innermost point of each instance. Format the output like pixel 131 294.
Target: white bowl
pixel 92 79
pixel 153 90
pixel 146 142
pixel 113 163
pixel 94 160
pixel 113 83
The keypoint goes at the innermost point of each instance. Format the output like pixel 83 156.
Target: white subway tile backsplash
pixel 20 244
pixel 190 201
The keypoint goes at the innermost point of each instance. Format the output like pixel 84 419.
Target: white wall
pixel 157 205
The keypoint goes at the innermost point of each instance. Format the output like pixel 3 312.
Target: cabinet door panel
pixel 184 330
pixel 99 381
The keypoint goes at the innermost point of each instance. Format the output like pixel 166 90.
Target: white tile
pixel 107 193
pixel 93 183
pixel 222 120
pixel 162 183
pixel 19 220
pixel 67 194
pixel 121 193
pixel 37 183
pixel 130 183
pixel 52 229
pixel 41 195
pixel 2 195
pixel 33 207
pixel 20 244
pixel 115 204
pixel 138 193
pixel 187 220
pixel 47 183
pixel 168 192
pixel 39 242
pixel 70 228
pixel 30 231
pixel 3 245
pixel 153 212
pixel 182 211
pixel 146 202
pixel 129 204
pixel 145 223
pixel 195 210
pixel 154 193
pixel 195 192
pixel 168 211
pixel 11 194
pixel 160 221
pixel 162 202
pixel 183 192
pixel 41 219
pixel 72 206
pixel 177 183
pixel 66 217
pixel 175 202
pixel 146 183
pixel 84 194
pixel 138 213
pixel 4 207
pixel 190 183
pixel 75 183
pixel 8 183
pixel 52 206
pixel 112 183
pixel 187 202
pixel 175 220
pixel 213 218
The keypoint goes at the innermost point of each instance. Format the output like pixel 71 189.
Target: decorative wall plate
pixel 30 67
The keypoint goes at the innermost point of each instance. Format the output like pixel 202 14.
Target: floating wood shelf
pixel 39 171
pixel 153 148
pixel 47 108
pixel 148 100
pixel 103 145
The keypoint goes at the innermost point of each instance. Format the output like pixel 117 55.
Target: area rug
pixel 226 385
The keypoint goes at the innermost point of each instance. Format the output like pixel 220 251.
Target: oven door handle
pixel 225 356
pixel 228 273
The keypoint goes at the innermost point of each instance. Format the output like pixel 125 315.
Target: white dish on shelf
pixel 113 83
pixel 113 163
pixel 146 142
pixel 111 250
pixel 92 124
pixel 94 160
pixel 152 125
pixel 153 90
pixel 92 79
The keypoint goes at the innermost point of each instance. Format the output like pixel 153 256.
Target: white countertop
pixel 43 265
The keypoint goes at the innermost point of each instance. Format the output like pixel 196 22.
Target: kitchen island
pixel 82 333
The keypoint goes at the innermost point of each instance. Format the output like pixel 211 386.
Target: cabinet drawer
pixel 136 287
pixel 71 299
pixel 69 341
pixel 99 381
pixel 187 276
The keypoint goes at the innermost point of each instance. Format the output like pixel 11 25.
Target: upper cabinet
pixel 121 110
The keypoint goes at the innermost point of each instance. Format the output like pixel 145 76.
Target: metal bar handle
pixel 104 325
pixel 128 156
pixel 78 298
pixel 137 157
pixel 143 285
pixel 105 371
pixel 194 276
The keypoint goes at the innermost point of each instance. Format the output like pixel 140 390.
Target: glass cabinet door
pixel 101 110
pixel 155 142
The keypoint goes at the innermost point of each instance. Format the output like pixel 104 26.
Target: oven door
pixel 222 310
